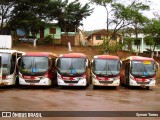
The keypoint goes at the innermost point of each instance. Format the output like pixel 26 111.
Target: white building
pixel 141 45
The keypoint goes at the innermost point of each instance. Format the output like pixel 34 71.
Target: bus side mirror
pixel 87 63
pixel 91 64
pixel 120 64
pixel 157 66
pixel 50 63
pixel 19 61
pixel 56 62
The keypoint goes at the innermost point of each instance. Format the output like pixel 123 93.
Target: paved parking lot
pixel 79 99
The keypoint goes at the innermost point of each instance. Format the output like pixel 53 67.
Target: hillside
pixel 60 49
pixel 57 49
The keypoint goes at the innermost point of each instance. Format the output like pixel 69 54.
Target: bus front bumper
pixel 96 82
pixel 135 83
pixel 42 82
pixel 81 82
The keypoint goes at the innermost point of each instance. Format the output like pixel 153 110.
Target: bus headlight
pixel 116 78
pixel 131 77
pixel 43 77
pixel 151 79
pixel 58 76
pixel 20 76
pixel 93 76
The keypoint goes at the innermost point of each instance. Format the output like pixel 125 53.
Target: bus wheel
pixel 94 87
pixel 114 87
pixel 90 80
pixel 60 86
pixel 147 88
pixel 54 82
pixel 127 84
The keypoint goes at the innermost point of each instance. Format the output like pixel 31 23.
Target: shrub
pixel 48 38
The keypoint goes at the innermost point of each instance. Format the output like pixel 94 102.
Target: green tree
pixel 69 14
pixel 120 16
pixel 152 32
pixel 5 10
pixel 29 15
pixel 138 20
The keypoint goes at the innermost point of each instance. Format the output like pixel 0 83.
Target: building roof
pixel 99 32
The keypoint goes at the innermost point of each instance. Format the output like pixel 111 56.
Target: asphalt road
pixel 80 99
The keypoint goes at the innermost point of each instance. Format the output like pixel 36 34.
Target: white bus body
pixel 8 66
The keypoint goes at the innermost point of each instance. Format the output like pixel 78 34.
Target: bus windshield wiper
pixel 73 70
pixel 107 70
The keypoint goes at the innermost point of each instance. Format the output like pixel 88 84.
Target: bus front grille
pixel 144 83
pixel 32 81
pixel 106 82
pixel 71 81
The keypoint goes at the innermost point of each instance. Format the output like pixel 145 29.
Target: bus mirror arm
pixel 18 61
pixel 120 64
pixel 157 66
pixel 87 63
pixel 91 63
pixel 56 62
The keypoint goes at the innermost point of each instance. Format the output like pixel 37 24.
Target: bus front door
pixel 127 71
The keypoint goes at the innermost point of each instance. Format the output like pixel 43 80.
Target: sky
pixel 97 20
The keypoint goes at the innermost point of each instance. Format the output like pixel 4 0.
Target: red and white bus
pixel 72 70
pixel 139 71
pixel 105 70
pixel 37 68
pixel 8 69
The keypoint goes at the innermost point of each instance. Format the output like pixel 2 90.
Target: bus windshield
pixel 71 66
pixel 5 63
pixel 103 67
pixel 34 65
pixel 143 68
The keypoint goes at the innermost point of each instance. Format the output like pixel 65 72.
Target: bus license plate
pixel 142 85
pixel 32 84
pixel 71 84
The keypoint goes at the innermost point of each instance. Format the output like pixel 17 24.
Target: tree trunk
pixel 69 43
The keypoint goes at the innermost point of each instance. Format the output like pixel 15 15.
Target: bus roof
pixel 10 51
pixel 138 58
pixel 40 54
pixel 106 57
pixel 73 55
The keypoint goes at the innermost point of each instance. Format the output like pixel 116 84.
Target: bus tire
pixel 90 80
pixel 114 87
pixel 127 83
pixel 94 87
pixel 54 82
pixel 60 86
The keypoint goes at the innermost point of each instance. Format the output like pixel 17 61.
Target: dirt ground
pixel 61 49
pixel 57 49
